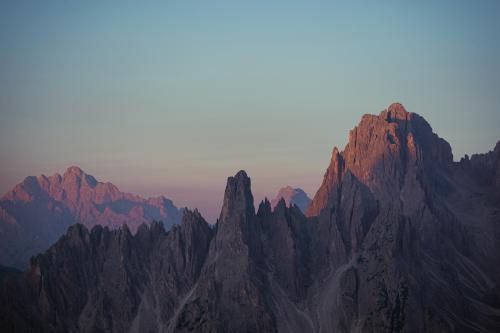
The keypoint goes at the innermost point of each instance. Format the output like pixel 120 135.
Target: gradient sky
pixel 172 97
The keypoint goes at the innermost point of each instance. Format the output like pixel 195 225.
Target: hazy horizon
pixel 173 98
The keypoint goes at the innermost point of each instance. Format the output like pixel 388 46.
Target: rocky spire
pixel 237 214
pixel 332 176
pixel 238 199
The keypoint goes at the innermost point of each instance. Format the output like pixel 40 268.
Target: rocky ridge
pixel 37 211
pixel 398 238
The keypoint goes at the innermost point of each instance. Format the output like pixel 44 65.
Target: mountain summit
pixel 398 238
pixel 386 153
pixel 37 211
pixel 292 196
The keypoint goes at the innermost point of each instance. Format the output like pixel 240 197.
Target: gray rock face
pixel 39 210
pixel 292 196
pixel 415 240
pixel 485 170
pixel 398 239
pixel 108 280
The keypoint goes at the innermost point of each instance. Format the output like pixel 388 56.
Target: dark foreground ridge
pixel 398 238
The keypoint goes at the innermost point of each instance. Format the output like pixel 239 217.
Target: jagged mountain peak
pixel 154 227
pixel 389 251
pixel 292 196
pixel 74 170
pixel 241 175
pixel 382 151
pixel 192 216
pixel 76 174
pixel 39 209
pixel 238 198
pixel 396 111
pixel 264 207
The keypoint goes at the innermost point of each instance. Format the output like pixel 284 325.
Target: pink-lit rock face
pixel 292 196
pixel 40 209
pixel 385 152
pixel 404 240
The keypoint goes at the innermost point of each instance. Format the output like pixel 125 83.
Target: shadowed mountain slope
pixel 398 238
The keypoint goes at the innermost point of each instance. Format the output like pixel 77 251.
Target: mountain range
pixel 292 196
pixel 39 210
pixel 398 238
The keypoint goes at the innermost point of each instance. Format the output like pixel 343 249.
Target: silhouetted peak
pixel 264 208
pixel 154 227
pixel 280 207
pixel 241 175
pixel 31 184
pixel 485 168
pixel 497 148
pixel 238 198
pixel 147 232
pixel 78 228
pixel 77 235
pixel 192 217
pixel 333 175
pixel 281 202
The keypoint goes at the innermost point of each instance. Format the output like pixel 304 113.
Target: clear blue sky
pixel 172 97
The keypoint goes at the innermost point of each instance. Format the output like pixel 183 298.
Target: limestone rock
pixel 38 211
pixel 398 238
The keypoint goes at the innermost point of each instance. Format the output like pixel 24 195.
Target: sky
pixel 173 97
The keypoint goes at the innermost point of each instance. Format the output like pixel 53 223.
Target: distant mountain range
pixel 292 196
pixel 39 210
pixel 398 238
